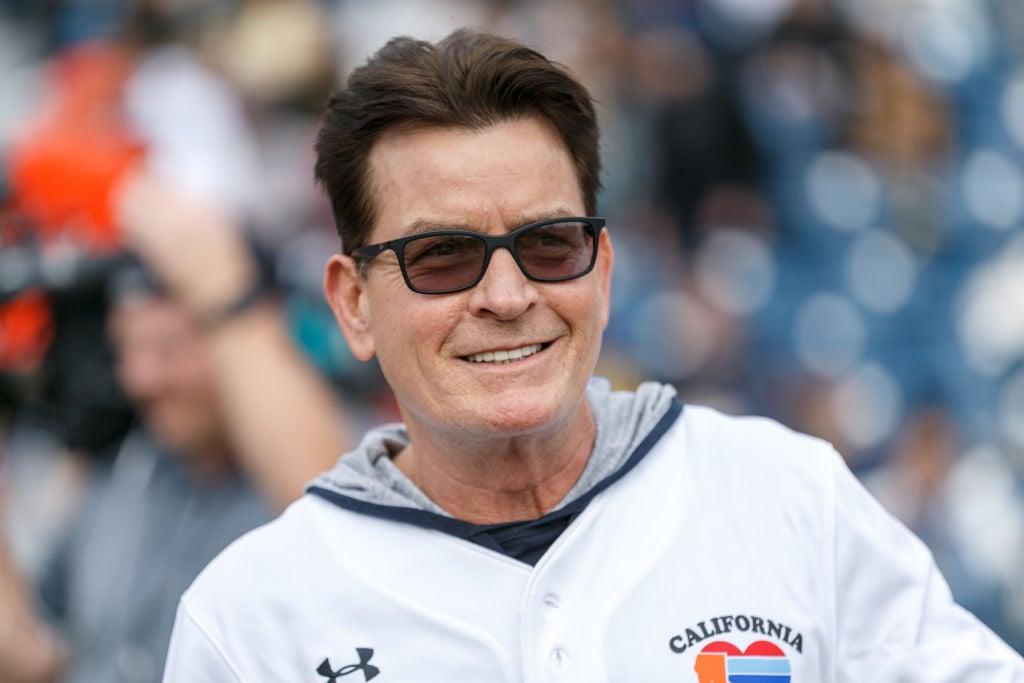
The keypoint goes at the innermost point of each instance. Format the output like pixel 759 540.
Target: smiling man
pixel 524 522
pixel 499 366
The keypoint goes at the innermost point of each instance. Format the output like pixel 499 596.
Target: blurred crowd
pixel 817 208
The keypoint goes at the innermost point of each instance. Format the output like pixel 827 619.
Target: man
pixel 525 523
pixel 219 389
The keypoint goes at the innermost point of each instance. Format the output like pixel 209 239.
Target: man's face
pixel 163 368
pixel 490 181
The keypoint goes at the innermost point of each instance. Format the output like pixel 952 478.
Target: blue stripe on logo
pixel 758 665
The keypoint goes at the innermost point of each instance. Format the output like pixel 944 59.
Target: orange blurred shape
pixel 710 667
pixel 25 332
pixel 65 166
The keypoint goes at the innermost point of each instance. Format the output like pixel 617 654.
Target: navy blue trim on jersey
pixel 525 540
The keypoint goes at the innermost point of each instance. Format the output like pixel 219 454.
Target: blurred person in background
pixel 202 345
pixel 233 422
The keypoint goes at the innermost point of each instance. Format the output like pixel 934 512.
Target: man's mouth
pixel 504 356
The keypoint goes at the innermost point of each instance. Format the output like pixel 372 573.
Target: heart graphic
pixel 760 662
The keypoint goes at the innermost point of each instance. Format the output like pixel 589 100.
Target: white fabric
pixel 728 522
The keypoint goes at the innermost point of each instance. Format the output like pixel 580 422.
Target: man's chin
pixel 183 441
pixel 512 414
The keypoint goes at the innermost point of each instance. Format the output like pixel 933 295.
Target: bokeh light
pixel 1010 411
pixel 990 312
pixel 844 191
pixel 945 39
pixel 735 270
pixel 673 337
pixel 993 189
pixel 867 405
pixel 880 271
pixel 1012 108
pixel 830 334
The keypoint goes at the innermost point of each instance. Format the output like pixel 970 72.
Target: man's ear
pixel 345 290
pixel 605 264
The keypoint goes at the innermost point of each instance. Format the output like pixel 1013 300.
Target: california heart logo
pixel 723 662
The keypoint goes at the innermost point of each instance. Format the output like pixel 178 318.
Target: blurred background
pixel 817 207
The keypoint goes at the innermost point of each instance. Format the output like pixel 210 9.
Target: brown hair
pixel 470 79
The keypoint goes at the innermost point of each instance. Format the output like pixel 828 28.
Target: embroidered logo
pixel 723 662
pixel 364 654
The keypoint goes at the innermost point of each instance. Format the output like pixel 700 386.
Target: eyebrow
pixel 427 225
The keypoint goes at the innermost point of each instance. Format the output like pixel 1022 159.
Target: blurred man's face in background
pixel 163 367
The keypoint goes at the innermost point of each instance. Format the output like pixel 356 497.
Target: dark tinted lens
pixel 437 263
pixel 557 251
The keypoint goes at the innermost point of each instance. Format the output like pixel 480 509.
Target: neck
pixel 209 465
pixel 493 480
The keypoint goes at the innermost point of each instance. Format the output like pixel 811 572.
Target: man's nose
pixel 504 292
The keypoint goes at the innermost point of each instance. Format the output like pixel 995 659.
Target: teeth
pixel 504 356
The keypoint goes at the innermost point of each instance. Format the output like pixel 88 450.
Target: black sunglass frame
pixel 491 242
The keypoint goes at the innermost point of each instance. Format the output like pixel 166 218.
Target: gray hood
pixel 623 419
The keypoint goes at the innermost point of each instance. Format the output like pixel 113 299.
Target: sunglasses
pixel 446 261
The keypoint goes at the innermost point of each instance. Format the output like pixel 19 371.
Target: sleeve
pixel 896 621
pixel 193 657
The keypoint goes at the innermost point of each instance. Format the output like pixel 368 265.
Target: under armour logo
pixel 369 671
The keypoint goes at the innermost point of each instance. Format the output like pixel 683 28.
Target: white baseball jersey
pixel 733 551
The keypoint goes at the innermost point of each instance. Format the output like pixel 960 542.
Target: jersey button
pixel 559 660
pixel 552 605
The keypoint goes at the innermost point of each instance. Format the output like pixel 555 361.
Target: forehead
pixel 485 179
